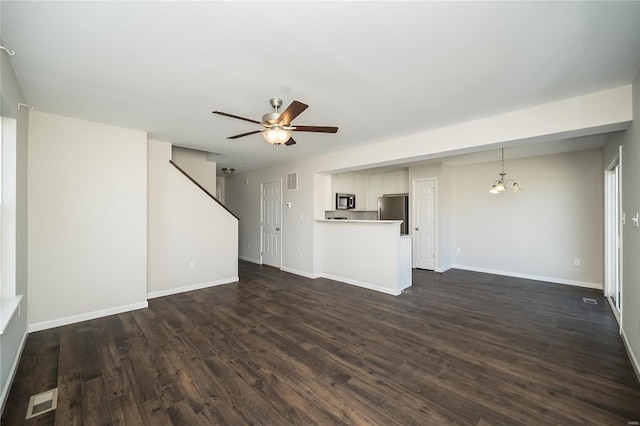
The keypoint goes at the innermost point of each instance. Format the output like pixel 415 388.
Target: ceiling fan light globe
pixel 276 135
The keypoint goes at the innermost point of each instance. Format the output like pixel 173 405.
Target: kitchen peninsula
pixel 367 253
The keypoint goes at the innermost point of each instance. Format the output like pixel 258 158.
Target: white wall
pixel 538 232
pixel 243 198
pixel 630 141
pixel 87 220
pixel 195 163
pixel 366 254
pixel 14 335
pixel 186 228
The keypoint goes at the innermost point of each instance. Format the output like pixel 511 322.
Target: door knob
pixel 278 228
pixel 417 229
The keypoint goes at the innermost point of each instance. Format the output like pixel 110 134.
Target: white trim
pixel 12 373
pixel 301 273
pixel 632 356
pixel 8 307
pixel 361 284
pixel 248 259
pixel 443 269
pixel 597 286
pixel 191 287
pixel 45 325
pixel 614 310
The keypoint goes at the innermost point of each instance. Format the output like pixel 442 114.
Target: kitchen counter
pixel 366 253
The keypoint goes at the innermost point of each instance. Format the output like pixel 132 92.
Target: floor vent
pixel 42 403
pixel 590 301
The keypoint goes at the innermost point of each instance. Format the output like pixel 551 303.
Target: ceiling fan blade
pixel 290 142
pixel 244 134
pixel 292 111
pixel 235 116
pixel 320 129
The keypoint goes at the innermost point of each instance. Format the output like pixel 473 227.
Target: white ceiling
pixel 378 70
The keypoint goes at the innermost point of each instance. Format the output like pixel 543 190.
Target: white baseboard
pixel 301 273
pixel 12 374
pixel 248 259
pixel 343 280
pixel 175 290
pixel 361 284
pixel 45 325
pixel 531 277
pixel 632 355
pixel 443 269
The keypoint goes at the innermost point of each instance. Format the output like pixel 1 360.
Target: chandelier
pixel 502 184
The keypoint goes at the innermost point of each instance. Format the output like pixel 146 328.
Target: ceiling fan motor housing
pixel 271 118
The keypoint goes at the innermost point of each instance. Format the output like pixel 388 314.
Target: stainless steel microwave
pixel 345 201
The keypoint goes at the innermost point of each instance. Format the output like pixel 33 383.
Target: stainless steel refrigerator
pixel 395 207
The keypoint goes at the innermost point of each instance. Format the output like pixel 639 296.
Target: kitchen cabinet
pixel 375 191
pixel 351 183
pixel 360 189
pixel 396 182
pixel 342 182
pixel 368 187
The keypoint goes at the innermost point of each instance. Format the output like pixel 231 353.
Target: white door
pixel 271 241
pixel 424 224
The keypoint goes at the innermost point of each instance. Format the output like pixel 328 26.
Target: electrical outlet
pixel 300 254
pixel 192 264
pixel 458 250
pixel 248 245
pixel 576 262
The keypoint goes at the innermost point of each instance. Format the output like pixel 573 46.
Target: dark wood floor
pixel 278 349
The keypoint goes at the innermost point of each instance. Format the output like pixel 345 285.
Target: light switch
pixel 635 220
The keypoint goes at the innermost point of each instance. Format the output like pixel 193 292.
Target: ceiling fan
pixel 278 125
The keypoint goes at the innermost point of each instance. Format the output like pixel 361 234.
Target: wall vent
pixel 590 301
pixel 42 403
pixel 292 181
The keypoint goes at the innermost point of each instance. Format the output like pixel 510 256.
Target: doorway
pixel 424 223
pixel 613 236
pixel 270 223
